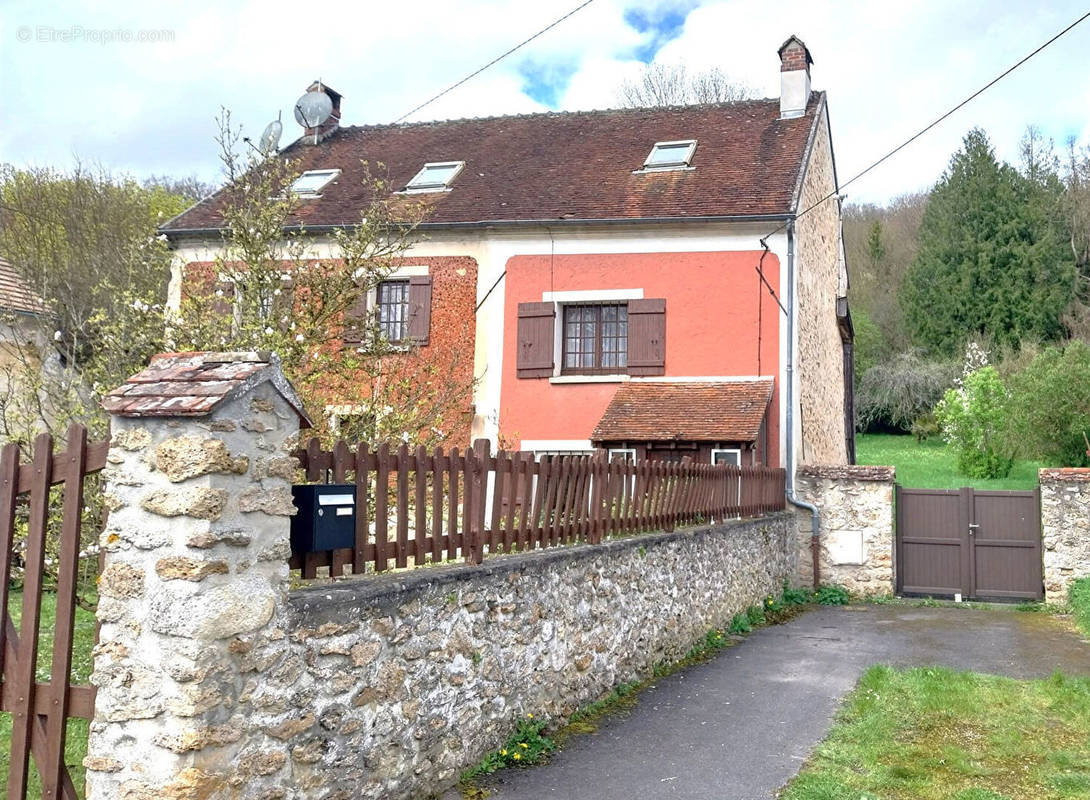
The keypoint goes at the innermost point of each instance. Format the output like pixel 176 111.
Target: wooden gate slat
pixel 22 676
pixel 68 563
pixel 9 489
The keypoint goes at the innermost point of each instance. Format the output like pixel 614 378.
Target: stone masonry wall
pixel 857 521
pixel 1065 526
pixel 215 682
pixel 196 553
pixel 820 354
pixel 393 685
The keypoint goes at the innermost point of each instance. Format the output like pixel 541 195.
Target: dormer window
pixel 311 182
pixel 435 176
pixel 670 155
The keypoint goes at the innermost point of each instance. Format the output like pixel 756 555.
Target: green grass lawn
pixel 931 465
pixel 75 747
pixel 926 734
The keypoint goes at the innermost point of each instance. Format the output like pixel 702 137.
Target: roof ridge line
pixel 562 113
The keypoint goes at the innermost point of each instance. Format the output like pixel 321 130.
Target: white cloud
pixel 888 68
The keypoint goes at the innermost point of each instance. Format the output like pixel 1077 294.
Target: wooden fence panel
pixel 450 506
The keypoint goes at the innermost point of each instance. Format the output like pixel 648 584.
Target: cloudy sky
pixel 78 79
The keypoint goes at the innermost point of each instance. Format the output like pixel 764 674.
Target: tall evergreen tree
pixel 993 260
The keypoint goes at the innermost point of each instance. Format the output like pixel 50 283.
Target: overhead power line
pixel 494 61
pixel 931 125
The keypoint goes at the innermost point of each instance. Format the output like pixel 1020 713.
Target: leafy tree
pixel 674 85
pixel 86 243
pixel 1050 408
pixel 895 392
pixel 869 348
pixel 880 244
pixel 974 417
pixel 992 259
pixel 264 292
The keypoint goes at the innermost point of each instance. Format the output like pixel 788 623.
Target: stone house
pixel 659 283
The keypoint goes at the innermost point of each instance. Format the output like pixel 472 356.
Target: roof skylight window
pixel 313 181
pixel 435 176
pixel 670 155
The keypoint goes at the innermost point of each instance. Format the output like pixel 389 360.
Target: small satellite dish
pixel 313 108
pixel 270 139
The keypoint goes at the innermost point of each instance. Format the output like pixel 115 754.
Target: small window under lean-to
pixel 670 155
pixel 435 177
pixel 313 181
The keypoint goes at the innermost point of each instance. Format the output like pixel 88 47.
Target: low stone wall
pixel 216 681
pixel 856 541
pixel 395 684
pixel 1065 526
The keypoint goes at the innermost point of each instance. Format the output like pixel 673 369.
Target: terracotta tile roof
pixel 561 166
pixel 656 411
pixel 194 384
pixel 15 294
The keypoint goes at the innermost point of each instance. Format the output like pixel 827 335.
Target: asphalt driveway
pixel 740 726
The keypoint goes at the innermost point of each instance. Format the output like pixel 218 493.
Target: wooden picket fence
pixel 445 505
pixel 40 710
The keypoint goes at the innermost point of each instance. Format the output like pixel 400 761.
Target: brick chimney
pixel 315 135
pixel 795 64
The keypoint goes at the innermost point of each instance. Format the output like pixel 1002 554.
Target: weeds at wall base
pixel 529 741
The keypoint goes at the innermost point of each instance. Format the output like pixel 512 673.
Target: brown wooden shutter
pixel 420 308
pixel 535 340
pixel 355 320
pixel 647 337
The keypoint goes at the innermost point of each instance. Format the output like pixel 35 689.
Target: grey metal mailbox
pixel 326 518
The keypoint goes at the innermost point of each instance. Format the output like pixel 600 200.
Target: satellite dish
pixel 313 108
pixel 270 139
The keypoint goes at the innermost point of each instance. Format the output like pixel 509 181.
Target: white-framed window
pixel 727 455
pixel 435 176
pixel 311 182
pixel 549 455
pixel 670 155
pixel 626 454
pixel 392 307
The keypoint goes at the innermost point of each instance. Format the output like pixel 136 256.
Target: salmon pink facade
pixel 599 270
pixel 717 315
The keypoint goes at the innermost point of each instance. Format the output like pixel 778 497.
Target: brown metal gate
pixel 980 544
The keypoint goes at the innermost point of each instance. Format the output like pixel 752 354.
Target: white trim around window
pixel 592 296
pixel 735 450
pixel 583 296
pixel 310 183
pixel 402 273
pixel 613 452
pixel 562 379
pixel 446 170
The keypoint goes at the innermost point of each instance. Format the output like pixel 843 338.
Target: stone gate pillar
pixel 195 576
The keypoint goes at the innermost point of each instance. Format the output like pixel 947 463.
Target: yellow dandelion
pixel 523 745
pixel 516 757
pixel 529 716
pixel 503 752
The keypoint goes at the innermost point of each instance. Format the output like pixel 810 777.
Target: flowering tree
pixel 85 244
pixel 265 291
pixel 973 417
